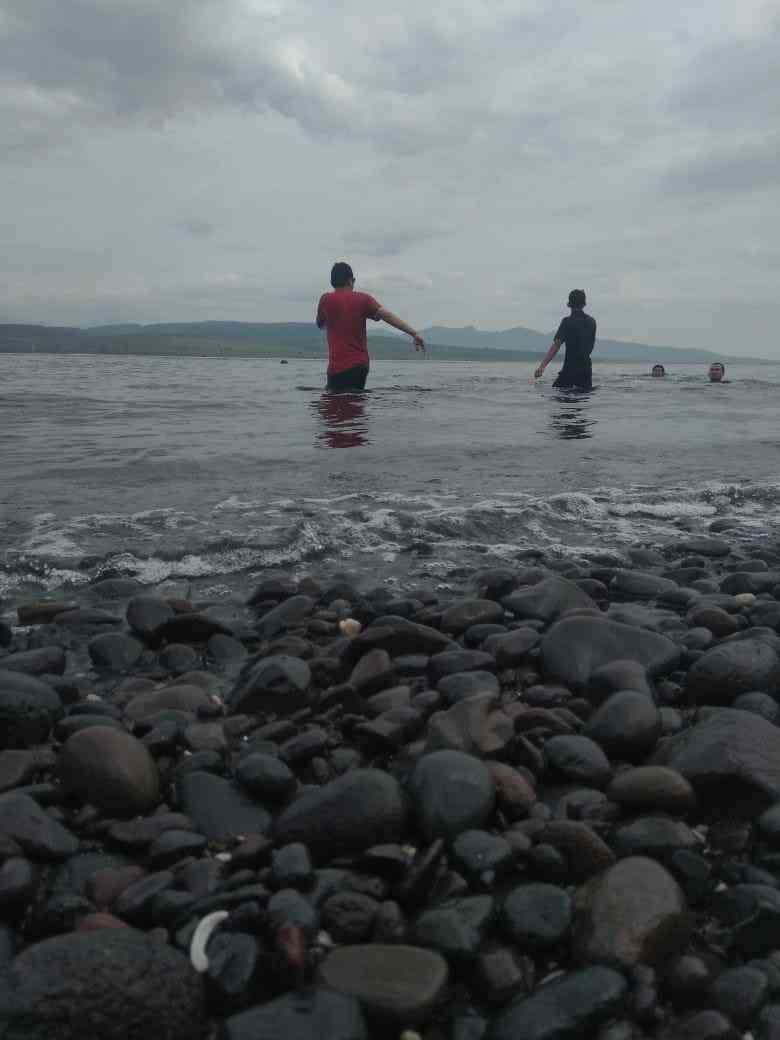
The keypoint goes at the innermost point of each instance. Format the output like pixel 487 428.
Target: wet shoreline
pixel 474 781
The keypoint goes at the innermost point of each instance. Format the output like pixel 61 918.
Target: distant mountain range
pixel 303 340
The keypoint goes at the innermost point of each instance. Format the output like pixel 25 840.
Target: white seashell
pixel 745 599
pixel 200 939
pixel 349 627
pixel 224 857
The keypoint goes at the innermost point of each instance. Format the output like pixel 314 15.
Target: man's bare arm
pixel 400 324
pixel 555 346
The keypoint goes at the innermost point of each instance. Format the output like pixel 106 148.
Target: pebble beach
pixel 544 804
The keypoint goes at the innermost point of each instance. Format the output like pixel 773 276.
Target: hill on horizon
pixel 304 340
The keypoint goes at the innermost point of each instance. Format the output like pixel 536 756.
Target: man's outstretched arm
pixel 400 324
pixel 555 346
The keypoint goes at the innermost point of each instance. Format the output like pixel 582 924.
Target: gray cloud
pixel 211 158
pixel 197 227
pixel 390 241
pixel 723 172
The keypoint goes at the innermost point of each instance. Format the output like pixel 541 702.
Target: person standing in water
pixel 578 332
pixel 343 314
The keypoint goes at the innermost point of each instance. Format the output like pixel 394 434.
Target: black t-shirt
pixel 578 332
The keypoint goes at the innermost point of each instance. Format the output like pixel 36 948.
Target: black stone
pixel 362 808
pixel 627 725
pixel 565 1009
pixel 218 808
pixel 456 930
pixel 37 834
pixel 110 984
pixel 536 916
pixel 578 759
pixel 451 792
pixel 271 684
pixel 314 1014
pixel 575 647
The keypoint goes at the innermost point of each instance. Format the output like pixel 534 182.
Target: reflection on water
pixel 572 421
pixel 344 423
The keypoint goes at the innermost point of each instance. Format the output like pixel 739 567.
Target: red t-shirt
pixel 343 312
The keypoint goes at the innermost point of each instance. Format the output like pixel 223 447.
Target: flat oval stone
pixel 655 836
pixel 652 787
pixel 401 984
pixel 567 1008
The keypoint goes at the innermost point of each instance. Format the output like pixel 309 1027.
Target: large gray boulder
pixel 110 984
pixel 730 758
pixel 577 646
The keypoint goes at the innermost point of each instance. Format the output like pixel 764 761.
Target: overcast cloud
pixel 206 159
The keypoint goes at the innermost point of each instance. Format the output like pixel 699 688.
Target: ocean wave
pixel 386 534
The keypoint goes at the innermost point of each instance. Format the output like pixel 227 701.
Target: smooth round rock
pixel 536 916
pixel 277 684
pixel 635 912
pixel 114 651
pixel 147 614
pixel 450 792
pixel 266 777
pixel 760 704
pixel 400 984
pixel 362 808
pixel 730 758
pixel 577 646
pixel 578 759
pixel 28 710
pixel 627 725
pixel 720 675
pixel 111 770
pixel 740 993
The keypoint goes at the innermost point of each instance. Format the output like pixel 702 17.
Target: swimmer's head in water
pixel 577 298
pixel 658 370
pixel 717 372
pixel 341 275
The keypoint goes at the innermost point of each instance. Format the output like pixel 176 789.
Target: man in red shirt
pixel 343 314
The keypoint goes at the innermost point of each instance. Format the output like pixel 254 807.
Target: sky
pixel 210 159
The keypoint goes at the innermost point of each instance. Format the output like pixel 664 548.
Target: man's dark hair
pixel 340 275
pixel 577 298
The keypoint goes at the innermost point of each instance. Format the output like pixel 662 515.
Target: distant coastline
pixel 301 341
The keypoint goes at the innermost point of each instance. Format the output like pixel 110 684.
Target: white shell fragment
pixel 200 939
pixel 350 627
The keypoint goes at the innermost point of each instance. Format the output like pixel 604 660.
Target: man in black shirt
pixel 578 332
